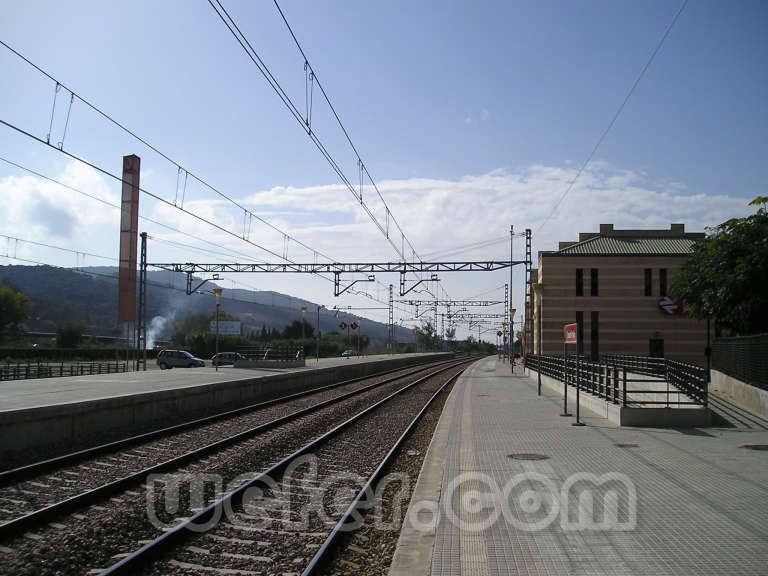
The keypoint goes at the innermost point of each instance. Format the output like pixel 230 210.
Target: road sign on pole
pixel 570 333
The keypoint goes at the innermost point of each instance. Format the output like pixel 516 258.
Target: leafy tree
pixel 196 324
pixel 727 273
pixel 293 330
pixel 426 335
pixel 14 308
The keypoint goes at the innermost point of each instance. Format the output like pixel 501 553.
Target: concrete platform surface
pixel 510 487
pixel 33 393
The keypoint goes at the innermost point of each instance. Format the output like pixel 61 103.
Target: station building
pixel 614 285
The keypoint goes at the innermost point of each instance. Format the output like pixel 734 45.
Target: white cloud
pixel 436 214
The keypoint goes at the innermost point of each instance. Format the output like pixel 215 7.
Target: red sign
pixel 570 333
pixel 343 325
pixel 498 333
pixel 353 326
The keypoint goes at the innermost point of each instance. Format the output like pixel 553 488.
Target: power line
pixel 169 159
pixel 241 39
pixel 117 207
pixel 155 196
pixel 70 250
pixel 615 116
pixel 179 167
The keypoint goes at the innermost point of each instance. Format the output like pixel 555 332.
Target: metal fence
pixel 276 354
pixel 744 358
pixel 638 364
pixel 19 371
pixel 619 383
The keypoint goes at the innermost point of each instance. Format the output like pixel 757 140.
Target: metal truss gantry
pixel 338 268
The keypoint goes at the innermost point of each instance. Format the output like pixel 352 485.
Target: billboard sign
pixel 226 328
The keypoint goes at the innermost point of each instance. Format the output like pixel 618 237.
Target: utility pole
pixel 391 321
pixel 141 353
pixel 511 298
pixel 217 292
pixel 318 330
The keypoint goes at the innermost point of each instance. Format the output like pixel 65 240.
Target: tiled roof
pixel 607 245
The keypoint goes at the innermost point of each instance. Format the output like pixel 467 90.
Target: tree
pixel 293 330
pixel 727 273
pixel 426 336
pixel 14 308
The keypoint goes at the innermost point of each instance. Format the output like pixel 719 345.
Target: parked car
pixel 348 353
pixel 226 358
pixel 178 359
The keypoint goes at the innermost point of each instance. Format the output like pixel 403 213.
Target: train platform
pixel 48 416
pixel 34 393
pixel 508 486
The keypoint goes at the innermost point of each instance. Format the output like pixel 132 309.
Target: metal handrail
pixel 609 380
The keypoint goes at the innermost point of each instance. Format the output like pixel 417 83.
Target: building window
pixel 579 281
pixel 580 333
pixel 594 333
pixel 593 290
pixel 648 282
pixel 662 281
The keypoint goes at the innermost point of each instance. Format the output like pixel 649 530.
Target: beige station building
pixel 614 284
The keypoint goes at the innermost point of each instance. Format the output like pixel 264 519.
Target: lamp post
pixel 318 330
pixel 538 290
pixel 303 311
pixel 358 336
pixel 217 292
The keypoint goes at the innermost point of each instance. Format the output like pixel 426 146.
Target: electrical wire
pixel 163 155
pixel 615 116
pixel 247 47
pixel 117 207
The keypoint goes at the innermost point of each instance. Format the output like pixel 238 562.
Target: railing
pixel 19 371
pixel 638 364
pixel 274 354
pixel 744 358
pixel 685 383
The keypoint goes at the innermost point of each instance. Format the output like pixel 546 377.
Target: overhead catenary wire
pixel 117 207
pixel 615 116
pixel 159 152
pixel 170 160
pixel 253 55
pixel 155 196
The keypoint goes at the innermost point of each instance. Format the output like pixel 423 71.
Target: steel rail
pixel 13 527
pixel 321 555
pixel 133 562
pixel 22 472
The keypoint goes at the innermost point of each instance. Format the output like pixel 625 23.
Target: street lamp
pixel 303 311
pixel 318 330
pixel 217 292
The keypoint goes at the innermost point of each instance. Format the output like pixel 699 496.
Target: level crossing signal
pixel 343 325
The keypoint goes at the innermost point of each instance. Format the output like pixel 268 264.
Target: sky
pixel 471 117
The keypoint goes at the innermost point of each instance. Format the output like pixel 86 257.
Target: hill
pixel 88 296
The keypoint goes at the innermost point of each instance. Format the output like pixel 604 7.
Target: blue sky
pixel 470 115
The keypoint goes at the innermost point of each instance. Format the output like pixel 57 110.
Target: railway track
pixel 286 519
pixel 96 490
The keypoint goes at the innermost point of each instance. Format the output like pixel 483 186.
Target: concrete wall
pixel 748 397
pixel 29 434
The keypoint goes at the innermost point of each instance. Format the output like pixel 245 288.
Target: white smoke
pixel 157 328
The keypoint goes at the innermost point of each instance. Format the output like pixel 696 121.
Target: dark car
pixel 348 353
pixel 178 359
pixel 226 358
